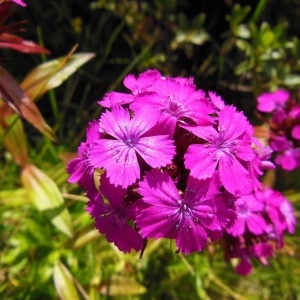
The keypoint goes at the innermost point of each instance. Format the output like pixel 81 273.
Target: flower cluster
pixel 177 164
pixel 263 217
pixel 284 123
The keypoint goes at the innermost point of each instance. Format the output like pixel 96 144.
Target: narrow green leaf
pixel 47 198
pixel 86 238
pixel 242 67
pixel 53 73
pixel 64 282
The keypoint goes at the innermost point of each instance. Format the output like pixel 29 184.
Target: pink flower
pixel 289 159
pixel 270 101
pixel 245 251
pixel 296 132
pixel 80 168
pixel 178 101
pixel 189 218
pixel 142 84
pixel 113 215
pixel 127 140
pixel 19 2
pixel 216 100
pixel 278 208
pixel 249 217
pixel 227 149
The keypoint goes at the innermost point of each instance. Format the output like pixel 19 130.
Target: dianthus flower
pixel 127 139
pixel 284 127
pixel 249 217
pixel 142 84
pixel 227 148
pixel 270 101
pixel 19 2
pixel 239 248
pixel 262 216
pixel 188 218
pixel 80 168
pixel 178 101
pixel 278 209
pixel 176 163
pixel 112 215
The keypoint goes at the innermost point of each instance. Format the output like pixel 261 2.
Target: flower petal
pixel 118 159
pixel 234 176
pixel 200 160
pixel 190 237
pixel 157 151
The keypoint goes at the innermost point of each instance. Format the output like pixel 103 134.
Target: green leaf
pixel 64 282
pixel 242 67
pixel 86 238
pixel 52 74
pixel 12 198
pixel 267 38
pixel 47 198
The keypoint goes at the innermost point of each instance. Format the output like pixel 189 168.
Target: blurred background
pixel 236 48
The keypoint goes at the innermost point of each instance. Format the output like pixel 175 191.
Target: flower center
pixel 130 142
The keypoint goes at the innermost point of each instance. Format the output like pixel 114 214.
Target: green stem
pixel 259 10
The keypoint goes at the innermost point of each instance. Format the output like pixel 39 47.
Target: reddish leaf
pixel 16 98
pixel 12 41
pixel 6 10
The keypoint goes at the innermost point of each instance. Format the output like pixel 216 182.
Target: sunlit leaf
pixel 86 238
pixel 292 80
pixel 64 282
pixel 47 198
pixel 14 197
pixel 51 74
pixel 18 100
pixel 122 286
pixel 196 37
pixel 14 139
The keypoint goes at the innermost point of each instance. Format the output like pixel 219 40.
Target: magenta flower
pixel 113 215
pixel 287 216
pixel 127 139
pixel 245 251
pixel 227 149
pixel 270 101
pixel 216 100
pixel 188 218
pixel 249 217
pixel 178 101
pixel 296 132
pixel 80 168
pixel 113 99
pixel 19 2
pixel 287 156
pixel 279 210
pixel 289 159
pixel 142 84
